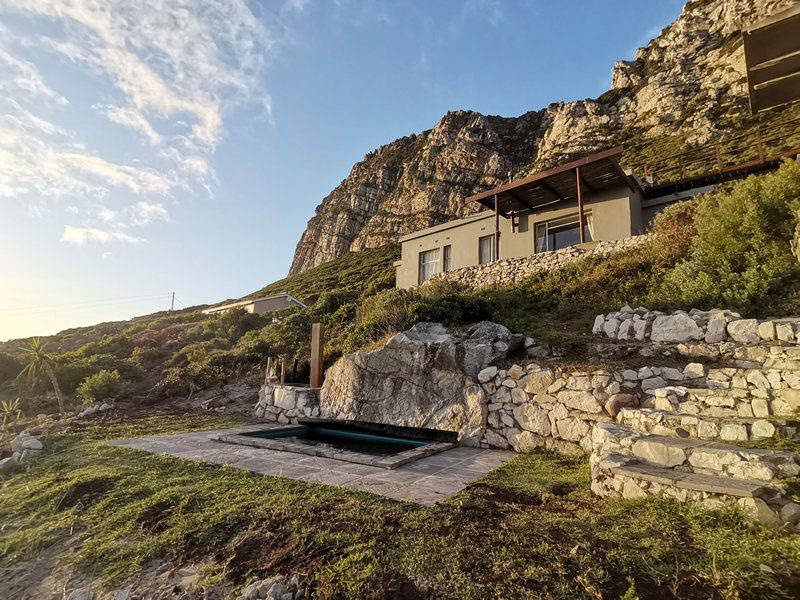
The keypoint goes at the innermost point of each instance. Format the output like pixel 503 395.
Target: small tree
pixel 100 387
pixel 39 362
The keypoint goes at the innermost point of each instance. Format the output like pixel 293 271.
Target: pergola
pixel 563 183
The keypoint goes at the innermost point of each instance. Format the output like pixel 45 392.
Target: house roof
pixel 598 171
pixel 286 295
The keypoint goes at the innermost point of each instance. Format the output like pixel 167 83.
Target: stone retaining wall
pixel 287 403
pixel 511 270
pixel 710 326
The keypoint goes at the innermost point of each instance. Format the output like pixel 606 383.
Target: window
pixel 428 265
pixel 446 259
pixel 485 249
pixel 560 233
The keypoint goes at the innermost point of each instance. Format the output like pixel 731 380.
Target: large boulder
pixel 424 377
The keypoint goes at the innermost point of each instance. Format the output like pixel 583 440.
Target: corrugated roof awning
pixel 597 172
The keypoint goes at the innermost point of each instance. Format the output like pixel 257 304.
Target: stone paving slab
pixel 426 481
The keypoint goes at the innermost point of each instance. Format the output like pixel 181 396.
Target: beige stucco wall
pixel 613 214
pixel 264 306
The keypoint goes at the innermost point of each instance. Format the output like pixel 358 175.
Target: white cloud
pixel 82 235
pixel 168 71
pixel 132 118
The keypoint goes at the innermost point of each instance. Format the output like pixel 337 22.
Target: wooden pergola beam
pixel 580 204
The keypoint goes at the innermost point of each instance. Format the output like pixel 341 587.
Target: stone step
pixel 694 455
pixel 728 402
pixel 623 476
pixel 704 427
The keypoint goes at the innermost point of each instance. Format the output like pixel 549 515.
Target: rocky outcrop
pixel 682 84
pixel 424 377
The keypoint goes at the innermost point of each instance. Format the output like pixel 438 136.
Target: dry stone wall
pixel 511 270
pixel 287 403
pixel 712 326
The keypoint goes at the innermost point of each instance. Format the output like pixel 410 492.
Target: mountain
pixel 687 86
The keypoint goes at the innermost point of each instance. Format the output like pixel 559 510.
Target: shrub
pixel 741 252
pixel 103 386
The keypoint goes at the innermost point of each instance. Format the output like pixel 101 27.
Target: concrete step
pixel 623 476
pixel 701 426
pixel 730 402
pixel 694 455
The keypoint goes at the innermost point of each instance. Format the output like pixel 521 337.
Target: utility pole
pixel 172 304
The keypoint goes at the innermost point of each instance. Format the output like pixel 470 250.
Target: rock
pixel 617 401
pixel 760 408
pixel 522 441
pixel 611 327
pixel 531 418
pixel 8 465
pixel 694 371
pixel 675 328
pixel 784 331
pixel 515 372
pixel 760 510
pixel 420 378
pixel 766 330
pixel 597 328
pixel 716 330
pixel 538 381
pixel 733 432
pixel 496 440
pixel 658 452
pixel 744 331
pixel 509 383
pixel 653 383
pixel 580 400
pixel 83 593
pixel 487 374
pixel 790 513
pixel 762 429
pixel 631 491
pixel 572 429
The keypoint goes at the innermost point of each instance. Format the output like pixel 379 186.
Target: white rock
pixel 694 370
pixel 762 429
pixel 597 328
pixel 675 328
pixel 744 331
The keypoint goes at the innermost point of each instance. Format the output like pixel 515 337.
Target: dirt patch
pixel 85 493
pixel 265 553
pixel 155 518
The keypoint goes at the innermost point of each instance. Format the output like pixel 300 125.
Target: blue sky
pixel 182 145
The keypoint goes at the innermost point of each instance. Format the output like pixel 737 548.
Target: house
pixel 259 306
pixel 588 200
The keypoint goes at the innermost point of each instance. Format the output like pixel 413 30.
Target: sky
pixel 158 146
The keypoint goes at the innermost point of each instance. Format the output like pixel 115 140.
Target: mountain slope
pixel 687 86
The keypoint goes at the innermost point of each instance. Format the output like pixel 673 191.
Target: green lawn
pixel 530 529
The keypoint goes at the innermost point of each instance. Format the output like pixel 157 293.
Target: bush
pixel 103 386
pixel 741 252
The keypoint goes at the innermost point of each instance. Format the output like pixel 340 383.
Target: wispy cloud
pixel 83 235
pixel 168 71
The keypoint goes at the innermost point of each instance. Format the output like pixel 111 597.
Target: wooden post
pixel 283 371
pixel 496 228
pixel 317 356
pixel 580 204
pixel 268 373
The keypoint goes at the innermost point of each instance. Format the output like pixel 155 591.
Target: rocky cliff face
pixel 688 83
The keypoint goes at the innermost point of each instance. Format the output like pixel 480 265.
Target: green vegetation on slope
pixel 729 248
pixel 530 529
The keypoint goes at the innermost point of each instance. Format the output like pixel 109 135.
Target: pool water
pixel 354 441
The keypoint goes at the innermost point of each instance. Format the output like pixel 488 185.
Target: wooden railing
pixel 757 145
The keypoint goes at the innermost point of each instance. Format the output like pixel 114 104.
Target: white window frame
pixel 491 239
pixel 558 223
pixel 422 274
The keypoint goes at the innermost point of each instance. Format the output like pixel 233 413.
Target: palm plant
pixel 10 410
pixel 39 362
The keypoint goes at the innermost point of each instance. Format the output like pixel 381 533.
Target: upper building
pixel 259 306
pixel 588 200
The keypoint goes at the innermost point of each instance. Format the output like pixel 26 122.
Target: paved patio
pixel 425 481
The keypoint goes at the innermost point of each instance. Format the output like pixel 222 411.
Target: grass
pixel 529 529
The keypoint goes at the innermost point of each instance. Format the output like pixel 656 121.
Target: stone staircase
pixel 695 432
